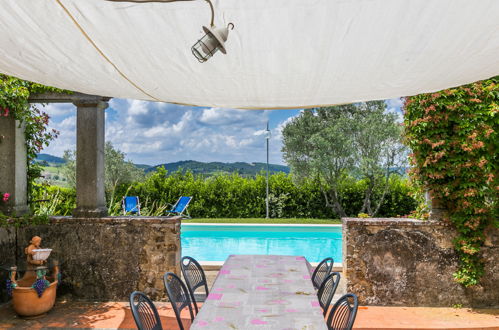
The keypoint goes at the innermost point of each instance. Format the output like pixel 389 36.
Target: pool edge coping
pixel 216 265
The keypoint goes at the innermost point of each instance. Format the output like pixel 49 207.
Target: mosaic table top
pixel 262 292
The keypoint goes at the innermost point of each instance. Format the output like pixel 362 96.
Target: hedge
pixel 233 196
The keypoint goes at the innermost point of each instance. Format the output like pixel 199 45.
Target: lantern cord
pixel 212 13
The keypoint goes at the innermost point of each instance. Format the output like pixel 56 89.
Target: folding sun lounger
pixel 180 207
pixel 131 205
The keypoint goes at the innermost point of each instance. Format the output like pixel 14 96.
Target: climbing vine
pixel 14 94
pixel 454 139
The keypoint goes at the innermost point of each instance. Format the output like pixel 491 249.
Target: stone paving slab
pixel 117 315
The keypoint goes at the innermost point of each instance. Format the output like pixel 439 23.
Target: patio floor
pixel 117 315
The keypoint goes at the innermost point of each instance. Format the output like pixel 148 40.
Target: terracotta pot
pixel 26 302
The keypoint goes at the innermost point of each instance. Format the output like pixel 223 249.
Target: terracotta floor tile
pixel 117 315
pixel 426 318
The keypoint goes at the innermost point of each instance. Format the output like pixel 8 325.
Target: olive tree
pixel 68 170
pixel 117 169
pixel 318 144
pixel 378 148
pixel 330 143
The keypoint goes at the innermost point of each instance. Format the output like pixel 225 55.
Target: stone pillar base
pixel 81 212
pixel 15 211
pixel 438 210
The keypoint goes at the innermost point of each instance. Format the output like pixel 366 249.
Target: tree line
pixel 344 160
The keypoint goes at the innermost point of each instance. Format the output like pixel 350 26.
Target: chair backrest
pixel 144 312
pixel 343 313
pixel 131 204
pixel 178 295
pixel 194 277
pixel 327 290
pixel 181 204
pixel 322 271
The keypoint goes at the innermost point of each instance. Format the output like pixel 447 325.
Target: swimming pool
pixel 215 242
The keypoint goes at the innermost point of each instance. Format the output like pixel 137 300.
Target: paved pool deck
pixel 117 315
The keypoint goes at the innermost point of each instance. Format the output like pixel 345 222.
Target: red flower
pixel 6 197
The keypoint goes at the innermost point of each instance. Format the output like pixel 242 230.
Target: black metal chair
pixel 322 271
pixel 178 295
pixel 327 290
pixel 194 277
pixel 342 315
pixel 144 312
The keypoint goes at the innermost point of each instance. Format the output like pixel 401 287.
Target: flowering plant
pixel 454 139
pixel 5 197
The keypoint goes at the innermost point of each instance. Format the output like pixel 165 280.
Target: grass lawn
pixel 53 175
pixel 263 220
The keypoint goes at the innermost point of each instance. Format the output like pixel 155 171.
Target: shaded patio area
pixel 117 315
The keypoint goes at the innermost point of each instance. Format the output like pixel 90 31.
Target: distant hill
pixel 143 166
pixel 246 169
pixel 242 168
pixel 49 160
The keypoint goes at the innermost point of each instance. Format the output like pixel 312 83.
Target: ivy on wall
pixel 14 94
pixel 454 139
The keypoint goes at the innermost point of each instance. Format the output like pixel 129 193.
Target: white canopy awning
pixel 281 54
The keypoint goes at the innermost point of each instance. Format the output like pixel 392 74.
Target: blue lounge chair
pixel 131 205
pixel 180 207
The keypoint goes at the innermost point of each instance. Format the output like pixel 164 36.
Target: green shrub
pixel 233 196
pixel 454 137
pixel 53 200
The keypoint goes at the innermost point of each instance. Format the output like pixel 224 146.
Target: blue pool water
pixel 217 242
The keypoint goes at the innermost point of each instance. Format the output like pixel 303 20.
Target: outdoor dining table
pixel 262 292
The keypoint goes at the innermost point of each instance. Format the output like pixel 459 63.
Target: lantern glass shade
pixel 205 47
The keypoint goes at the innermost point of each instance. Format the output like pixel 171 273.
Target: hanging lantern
pixel 213 41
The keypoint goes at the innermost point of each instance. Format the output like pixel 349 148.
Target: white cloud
pixel 155 133
pixel 63 119
pixel 395 106
pixel 57 110
pixel 395 103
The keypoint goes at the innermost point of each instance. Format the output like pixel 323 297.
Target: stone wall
pixel 405 262
pixel 103 258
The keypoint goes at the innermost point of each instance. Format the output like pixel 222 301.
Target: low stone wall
pixel 406 262
pixel 103 258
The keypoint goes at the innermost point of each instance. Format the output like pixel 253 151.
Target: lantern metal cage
pixel 212 42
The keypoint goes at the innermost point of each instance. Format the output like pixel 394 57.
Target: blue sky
pixel 153 133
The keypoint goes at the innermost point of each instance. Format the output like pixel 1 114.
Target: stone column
pixel 90 195
pixel 13 167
